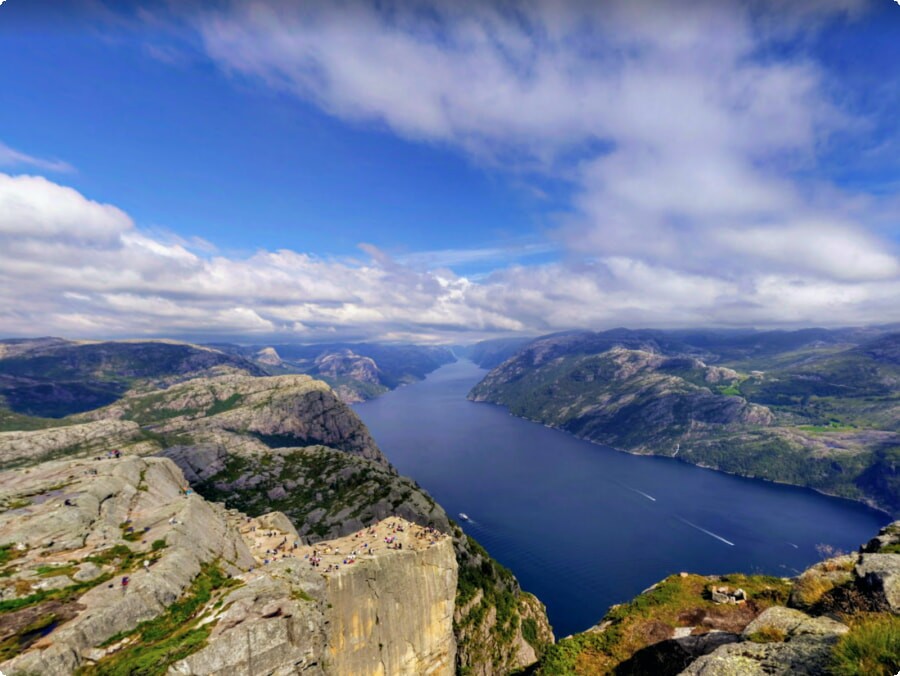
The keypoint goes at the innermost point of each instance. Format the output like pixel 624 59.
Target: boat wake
pixel 646 495
pixel 708 532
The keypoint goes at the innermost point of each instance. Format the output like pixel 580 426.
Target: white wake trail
pixel 703 530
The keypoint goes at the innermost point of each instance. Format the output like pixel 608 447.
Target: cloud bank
pixel 691 135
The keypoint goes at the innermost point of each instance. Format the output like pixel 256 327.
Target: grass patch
pixel 638 623
pixel 767 635
pixel 8 553
pixel 64 595
pixel 222 405
pixel 53 571
pixel 300 595
pixel 870 648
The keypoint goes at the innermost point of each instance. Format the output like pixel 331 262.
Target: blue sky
pixel 446 171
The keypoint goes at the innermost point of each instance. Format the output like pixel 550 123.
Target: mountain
pixel 52 377
pixel 245 446
pixel 490 353
pixel 356 371
pixel 841 616
pixel 810 408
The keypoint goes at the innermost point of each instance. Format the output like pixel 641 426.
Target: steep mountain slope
pixel 829 419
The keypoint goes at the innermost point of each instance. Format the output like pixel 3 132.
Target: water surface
pixel 584 526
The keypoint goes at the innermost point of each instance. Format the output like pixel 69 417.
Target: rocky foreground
pixel 112 565
pixel 184 478
pixel 841 616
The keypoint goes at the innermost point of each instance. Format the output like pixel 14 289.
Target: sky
pixel 443 171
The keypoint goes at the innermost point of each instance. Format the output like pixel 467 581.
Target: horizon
pixel 238 342
pixel 438 173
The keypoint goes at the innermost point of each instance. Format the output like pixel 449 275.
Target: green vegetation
pixel 222 405
pixel 10 421
pixel 170 637
pixel 530 632
pixel 54 571
pixel 676 601
pixel 321 478
pixel 8 553
pixel 65 378
pixel 63 595
pixel 870 648
pixel 299 595
pixel 767 635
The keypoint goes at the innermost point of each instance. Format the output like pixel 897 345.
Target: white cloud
pixel 686 138
pixel 90 272
pixel 690 123
pixel 10 157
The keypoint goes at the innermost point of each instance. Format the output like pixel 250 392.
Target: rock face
pixel 347 364
pixel 268 356
pixel 329 494
pixel 411 595
pixel 99 522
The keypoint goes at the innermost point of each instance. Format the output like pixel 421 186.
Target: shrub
pixel 767 635
pixel 870 648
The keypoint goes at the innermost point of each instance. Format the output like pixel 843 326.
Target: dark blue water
pixel 573 520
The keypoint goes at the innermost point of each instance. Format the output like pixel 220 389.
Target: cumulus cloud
pixel 72 266
pixel 689 123
pixel 690 139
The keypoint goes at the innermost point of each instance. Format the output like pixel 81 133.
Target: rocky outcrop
pixel 90 526
pixel 243 441
pixel 329 494
pixel 792 643
pixel 275 411
pixel 675 627
pixel 347 364
pixel 411 595
pixel 268 356
pixel 18 448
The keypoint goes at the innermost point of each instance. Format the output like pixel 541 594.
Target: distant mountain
pixel 816 408
pixel 490 353
pixel 52 377
pixel 356 371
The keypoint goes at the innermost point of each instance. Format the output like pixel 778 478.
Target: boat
pixel 464 516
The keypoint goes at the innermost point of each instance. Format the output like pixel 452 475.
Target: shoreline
pixel 858 501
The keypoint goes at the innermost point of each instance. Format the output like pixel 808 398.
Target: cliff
pixel 204 595
pixel 287 443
